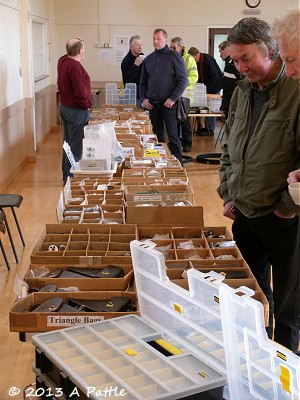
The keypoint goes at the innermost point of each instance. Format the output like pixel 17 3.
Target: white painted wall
pixel 99 20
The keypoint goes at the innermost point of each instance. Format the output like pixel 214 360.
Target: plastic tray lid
pixel 258 368
pixel 190 316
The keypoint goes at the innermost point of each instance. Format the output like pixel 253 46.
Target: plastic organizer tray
pixel 224 326
pixel 120 96
pixel 120 353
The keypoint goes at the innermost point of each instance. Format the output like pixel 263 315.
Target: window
pixel 39 50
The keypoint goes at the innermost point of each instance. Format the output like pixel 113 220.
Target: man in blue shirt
pixel 163 80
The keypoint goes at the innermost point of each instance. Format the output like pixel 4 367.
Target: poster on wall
pixel 121 47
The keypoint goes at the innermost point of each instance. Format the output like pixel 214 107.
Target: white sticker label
pixel 69 320
pixel 148 197
pixel 129 151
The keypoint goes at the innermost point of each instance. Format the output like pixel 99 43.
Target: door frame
pixel 211 37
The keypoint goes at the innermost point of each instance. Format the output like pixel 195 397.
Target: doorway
pixel 215 37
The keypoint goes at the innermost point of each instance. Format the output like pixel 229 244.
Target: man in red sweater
pixel 74 88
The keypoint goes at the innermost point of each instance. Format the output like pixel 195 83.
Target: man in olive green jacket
pixel 262 146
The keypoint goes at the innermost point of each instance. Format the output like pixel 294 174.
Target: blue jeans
pixel 161 116
pixel 74 120
pixel 272 241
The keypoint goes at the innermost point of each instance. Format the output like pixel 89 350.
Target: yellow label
pixel 130 352
pixel 151 153
pixel 281 355
pixel 168 346
pixel 285 378
pixel 216 299
pixel 203 374
pixel 178 308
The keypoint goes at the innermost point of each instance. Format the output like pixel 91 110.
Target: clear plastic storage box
pixel 120 96
pixel 223 325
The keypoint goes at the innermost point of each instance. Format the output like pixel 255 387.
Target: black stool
pixel 2 224
pixel 12 200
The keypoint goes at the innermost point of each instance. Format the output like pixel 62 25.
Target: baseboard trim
pixel 5 184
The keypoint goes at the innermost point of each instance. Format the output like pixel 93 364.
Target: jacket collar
pixel 272 87
pixel 165 49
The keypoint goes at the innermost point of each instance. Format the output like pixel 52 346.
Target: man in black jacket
pixel 132 64
pixel 210 74
pixel 163 80
pixel 230 77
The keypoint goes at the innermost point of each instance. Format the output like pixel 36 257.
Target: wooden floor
pixel 40 184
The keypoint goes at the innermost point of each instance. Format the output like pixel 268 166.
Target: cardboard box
pixel 22 320
pixel 174 193
pixel 155 172
pixel 164 162
pixel 155 180
pixel 167 215
pixel 85 284
pixel 217 232
pixel 79 241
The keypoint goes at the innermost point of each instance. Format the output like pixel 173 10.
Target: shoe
pixel 211 133
pixel 186 149
pixel 202 132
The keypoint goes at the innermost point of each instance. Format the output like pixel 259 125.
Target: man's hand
pixel 279 214
pixel 147 105
pixel 229 210
pixel 294 176
pixel 138 60
pixel 169 103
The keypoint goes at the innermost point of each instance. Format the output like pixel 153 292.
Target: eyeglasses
pixel 80 39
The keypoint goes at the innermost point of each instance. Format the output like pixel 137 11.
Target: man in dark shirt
pixel 163 80
pixel 230 77
pixel 74 88
pixel 210 74
pixel 132 64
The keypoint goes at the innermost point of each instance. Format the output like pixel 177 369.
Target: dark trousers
pixel 273 241
pixel 160 117
pixel 210 123
pixel 74 121
pixel 185 132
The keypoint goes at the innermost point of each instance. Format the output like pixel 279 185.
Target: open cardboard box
pixel 86 284
pixel 22 320
pixel 174 193
pixel 79 241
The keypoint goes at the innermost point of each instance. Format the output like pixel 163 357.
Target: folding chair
pixel 12 200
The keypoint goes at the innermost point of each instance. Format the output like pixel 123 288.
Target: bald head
pixel 74 47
